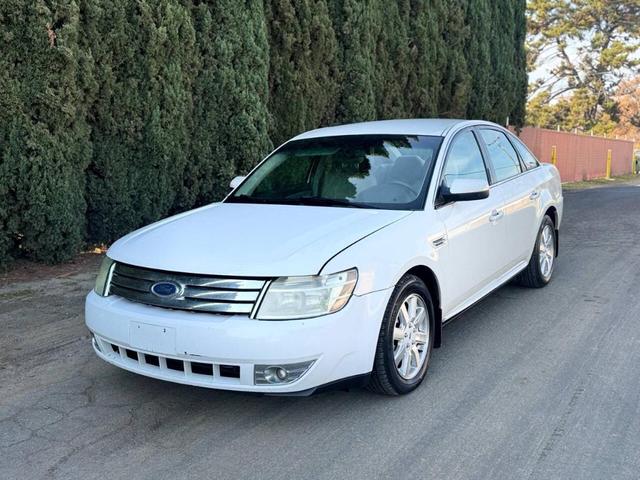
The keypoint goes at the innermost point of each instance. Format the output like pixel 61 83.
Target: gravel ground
pixel 536 384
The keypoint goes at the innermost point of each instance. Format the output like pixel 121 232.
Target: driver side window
pixel 464 160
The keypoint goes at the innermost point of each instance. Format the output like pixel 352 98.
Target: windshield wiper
pixel 306 200
pixel 243 198
pixel 328 202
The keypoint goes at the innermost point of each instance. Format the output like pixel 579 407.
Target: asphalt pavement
pixel 529 384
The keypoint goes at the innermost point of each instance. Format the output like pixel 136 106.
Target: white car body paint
pixel 472 247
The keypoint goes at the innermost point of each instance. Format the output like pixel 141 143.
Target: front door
pixel 475 229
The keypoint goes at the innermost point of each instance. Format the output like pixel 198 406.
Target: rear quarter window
pixel 502 155
pixel 529 159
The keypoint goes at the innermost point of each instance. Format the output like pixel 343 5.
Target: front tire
pixel 406 339
pixel 538 272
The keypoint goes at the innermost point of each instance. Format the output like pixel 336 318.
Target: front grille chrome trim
pixel 199 293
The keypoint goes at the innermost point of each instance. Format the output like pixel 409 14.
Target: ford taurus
pixel 336 261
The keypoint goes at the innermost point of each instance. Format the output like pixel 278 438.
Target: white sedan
pixel 336 261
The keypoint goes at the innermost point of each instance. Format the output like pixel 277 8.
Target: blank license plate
pixel 152 337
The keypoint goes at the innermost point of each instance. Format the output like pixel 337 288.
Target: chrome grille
pixel 199 293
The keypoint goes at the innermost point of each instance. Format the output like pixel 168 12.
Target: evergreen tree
pixel 357 39
pixel 428 57
pixel 143 108
pixel 47 139
pixel 303 74
pixel 10 108
pixel 117 114
pixel 521 80
pixel 456 80
pixel 142 113
pixel 231 93
pixel 478 58
pixel 391 66
pixel 170 54
pixel 504 86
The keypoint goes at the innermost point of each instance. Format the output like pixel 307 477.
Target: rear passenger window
pixel 502 155
pixel 464 159
pixel 527 157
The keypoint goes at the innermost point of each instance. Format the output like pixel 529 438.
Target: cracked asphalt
pixel 532 384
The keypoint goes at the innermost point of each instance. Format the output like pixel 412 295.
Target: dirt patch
pixel 22 271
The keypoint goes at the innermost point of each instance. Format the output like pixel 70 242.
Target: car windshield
pixel 360 171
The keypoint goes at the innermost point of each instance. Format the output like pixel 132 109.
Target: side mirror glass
pixel 235 183
pixel 464 189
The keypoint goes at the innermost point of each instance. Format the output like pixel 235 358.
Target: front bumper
pixel 341 344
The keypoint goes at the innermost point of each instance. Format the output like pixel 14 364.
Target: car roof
pixel 418 126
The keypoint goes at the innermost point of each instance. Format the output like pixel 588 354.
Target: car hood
pixel 250 240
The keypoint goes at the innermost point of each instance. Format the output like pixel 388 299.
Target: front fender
pixel 385 256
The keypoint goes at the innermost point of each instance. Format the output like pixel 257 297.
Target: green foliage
pixel 356 34
pixel 391 66
pixel 456 79
pixel 304 75
pixel 116 113
pixel 46 146
pixel 595 45
pixel 478 55
pixel 427 57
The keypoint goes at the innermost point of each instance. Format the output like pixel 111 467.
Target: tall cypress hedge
pixel 45 137
pixel 303 62
pixel 115 113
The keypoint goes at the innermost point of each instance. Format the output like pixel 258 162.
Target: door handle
pixel 496 215
pixel 535 194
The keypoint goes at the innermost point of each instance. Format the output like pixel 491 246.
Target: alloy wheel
pixel 546 253
pixel 411 336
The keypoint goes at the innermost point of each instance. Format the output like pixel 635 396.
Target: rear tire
pixel 406 339
pixel 538 272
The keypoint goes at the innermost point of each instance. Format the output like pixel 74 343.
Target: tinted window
pixel 376 171
pixel 501 153
pixel 529 160
pixel 464 159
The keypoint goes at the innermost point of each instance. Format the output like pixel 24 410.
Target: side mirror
pixel 235 183
pixel 464 189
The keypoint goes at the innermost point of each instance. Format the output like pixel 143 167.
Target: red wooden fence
pixel 579 157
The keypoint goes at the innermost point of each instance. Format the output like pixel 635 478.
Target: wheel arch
pixel 553 214
pixel 429 278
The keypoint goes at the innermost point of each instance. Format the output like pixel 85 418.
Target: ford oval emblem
pixel 165 289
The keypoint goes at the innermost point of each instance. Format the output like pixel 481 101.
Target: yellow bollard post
pixel 554 155
pixel 608 164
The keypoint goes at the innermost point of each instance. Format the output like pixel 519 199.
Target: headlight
pixel 104 276
pixel 305 297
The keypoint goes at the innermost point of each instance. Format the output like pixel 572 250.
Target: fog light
pixel 94 340
pixel 280 374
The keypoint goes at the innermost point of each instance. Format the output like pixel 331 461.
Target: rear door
pixel 475 230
